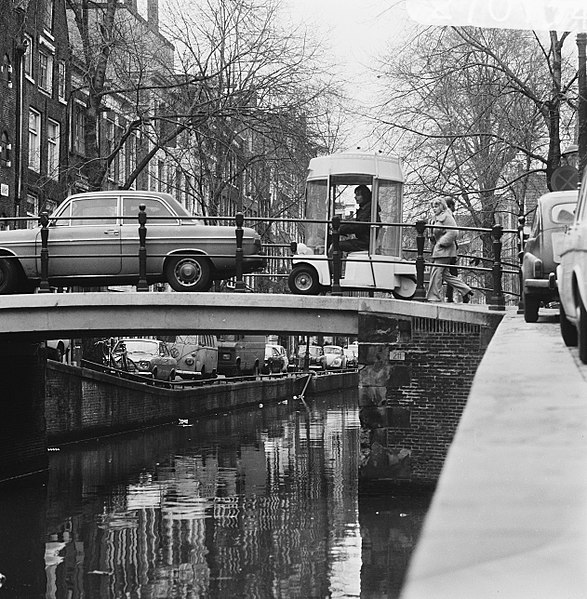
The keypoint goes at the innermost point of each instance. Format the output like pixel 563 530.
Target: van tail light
pixel 538 269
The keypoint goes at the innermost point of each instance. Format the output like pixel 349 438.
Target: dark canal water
pixel 261 504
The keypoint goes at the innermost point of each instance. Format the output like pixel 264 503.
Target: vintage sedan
pixel 148 357
pixel 333 357
pixel 93 240
pixel 315 353
pixel 542 250
pixel 571 277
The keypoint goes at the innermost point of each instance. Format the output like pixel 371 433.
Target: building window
pixel 61 81
pixel 53 129
pixel 45 71
pixel 34 140
pixel 131 149
pixel 32 209
pixel 6 73
pixel 5 148
pixel 78 130
pixel 28 56
pixel 48 15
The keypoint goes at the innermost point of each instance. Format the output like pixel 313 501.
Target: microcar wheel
pixel 530 308
pixel 568 329
pixel 8 276
pixel 406 289
pixel 303 280
pixel 582 337
pixel 188 273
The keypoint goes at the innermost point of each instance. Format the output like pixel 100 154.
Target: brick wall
pixel 414 380
pixel 81 403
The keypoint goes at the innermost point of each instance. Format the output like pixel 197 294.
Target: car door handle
pixel 111 232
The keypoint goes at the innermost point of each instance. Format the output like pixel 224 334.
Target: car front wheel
pixel 8 276
pixel 303 280
pixel 530 308
pixel 188 273
pixel 568 329
pixel 582 329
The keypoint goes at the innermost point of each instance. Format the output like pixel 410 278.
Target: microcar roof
pixel 357 167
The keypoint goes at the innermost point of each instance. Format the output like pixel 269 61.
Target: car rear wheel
pixel 8 276
pixel 189 273
pixel 407 288
pixel 582 330
pixel 303 280
pixel 530 308
pixel 568 329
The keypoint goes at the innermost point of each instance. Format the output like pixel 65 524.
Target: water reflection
pixel 259 504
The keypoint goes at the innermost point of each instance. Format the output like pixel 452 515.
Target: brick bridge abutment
pixel 415 374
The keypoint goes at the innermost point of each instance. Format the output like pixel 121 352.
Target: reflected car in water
pixel 148 357
pixel 333 358
pixel 542 250
pixel 93 240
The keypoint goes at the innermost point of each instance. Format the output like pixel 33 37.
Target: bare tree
pixel 225 76
pixel 478 111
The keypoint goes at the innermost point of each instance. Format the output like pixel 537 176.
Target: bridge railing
pixel 421 229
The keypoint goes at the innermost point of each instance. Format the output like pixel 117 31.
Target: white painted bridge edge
pixel 53 315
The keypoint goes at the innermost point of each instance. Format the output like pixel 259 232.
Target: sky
pixel 357 32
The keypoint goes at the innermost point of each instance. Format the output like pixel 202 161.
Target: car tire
pixel 303 280
pixel 188 273
pixel 407 289
pixel 582 332
pixel 9 276
pixel 568 329
pixel 531 308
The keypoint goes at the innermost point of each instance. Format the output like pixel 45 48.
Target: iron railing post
pixel 420 294
pixel 497 301
pixel 142 284
pixel 336 257
pixel 44 287
pixel 240 284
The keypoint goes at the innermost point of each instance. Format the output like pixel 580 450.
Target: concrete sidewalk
pixel 509 516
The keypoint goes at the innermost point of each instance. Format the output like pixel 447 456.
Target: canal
pixel 259 504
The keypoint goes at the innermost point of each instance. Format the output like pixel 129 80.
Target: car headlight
pixel 336 362
pixel 189 361
pixel 144 365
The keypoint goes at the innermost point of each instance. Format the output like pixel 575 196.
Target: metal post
pixel 497 301
pixel 336 257
pixel 44 287
pixel 142 284
pixel 240 284
pixel 420 294
pixel 521 241
pixel 582 104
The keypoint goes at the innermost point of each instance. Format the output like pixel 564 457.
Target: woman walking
pixel 444 249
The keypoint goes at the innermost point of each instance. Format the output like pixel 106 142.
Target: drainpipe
pixel 19 50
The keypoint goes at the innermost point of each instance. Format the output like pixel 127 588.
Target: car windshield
pixel 332 349
pixel 141 346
